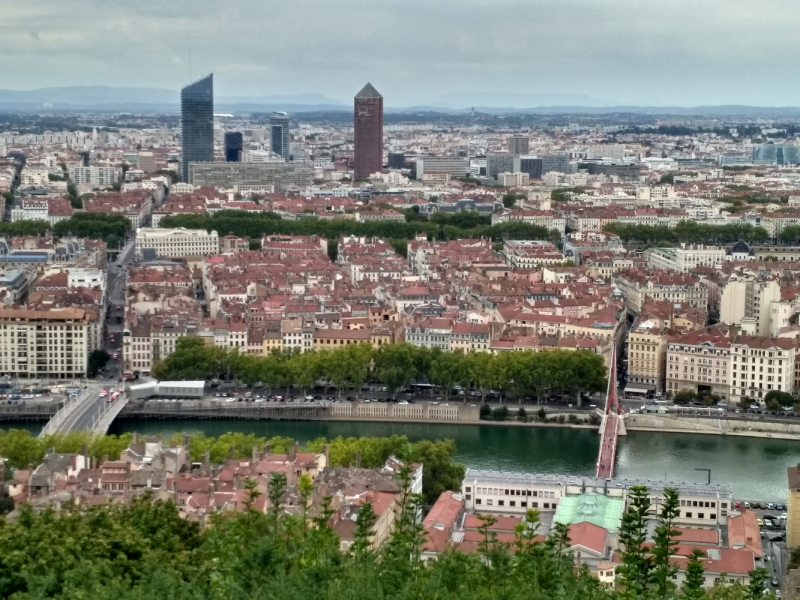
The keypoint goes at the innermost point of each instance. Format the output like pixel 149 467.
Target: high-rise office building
pixel 396 160
pixel 234 143
pixel 197 123
pixel 532 165
pixel 519 144
pixel 368 132
pixel 500 163
pixel 146 161
pixel 279 134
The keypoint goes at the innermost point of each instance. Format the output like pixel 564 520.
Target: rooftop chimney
pixel 135 437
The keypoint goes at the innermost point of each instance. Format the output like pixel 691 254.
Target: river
pixel 755 467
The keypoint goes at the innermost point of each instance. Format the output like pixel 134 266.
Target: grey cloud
pixel 622 51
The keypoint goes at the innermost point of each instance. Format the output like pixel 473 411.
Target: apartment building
pixel 749 301
pixel 516 179
pixel 638 285
pixel 34 176
pixel 470 337
pixel 430 333
pixel 51 210
pixel 146 162
pixel 456 166
pixel 52 343
pixel 542 218
pixel 647 345
pixel 685 258
pixel 281 175
pixel 700 361
pixel 331 339
pixel 94 176
pixel 761 364
pixel 177 243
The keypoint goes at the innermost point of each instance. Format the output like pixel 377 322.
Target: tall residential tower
pixel 279 134
pixel 197 123
pixel 368 130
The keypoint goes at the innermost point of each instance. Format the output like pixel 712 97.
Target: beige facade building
pixel 749 302
pixel 638 285
pixel 700 361
pixel 647 351
pixel 760 365
pixel 147 162
pixel 51 343
pixel 178 242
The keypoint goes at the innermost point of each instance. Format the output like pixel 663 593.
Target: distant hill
pixel 104 98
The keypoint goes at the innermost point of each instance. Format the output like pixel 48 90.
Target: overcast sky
pixel 653 52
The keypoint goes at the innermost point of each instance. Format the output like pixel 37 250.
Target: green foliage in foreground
pixel 146 551
pixel 441 471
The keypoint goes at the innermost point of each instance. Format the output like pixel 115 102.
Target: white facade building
pixel 94 176
pixel 178 242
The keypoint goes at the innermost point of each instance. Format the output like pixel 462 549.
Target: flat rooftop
pixel 533 479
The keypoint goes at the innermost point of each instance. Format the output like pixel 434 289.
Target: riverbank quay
pixel 760 428
pixel 450 414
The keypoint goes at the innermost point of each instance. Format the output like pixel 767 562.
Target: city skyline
pixel 617 52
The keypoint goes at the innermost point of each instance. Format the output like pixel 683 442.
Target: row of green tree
pixel 111 228
pixel 689 232
pixel 254 226
pixel 520 374
pixel 145 550
pixel 441 471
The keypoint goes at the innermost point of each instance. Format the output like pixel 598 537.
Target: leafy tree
pixel 522 414
pixel 684 397
pixel 485 412
pixel 395 365
pixel 447 369
pixel 669 178
pixel 96 361
pixel 440 470
pixel 773 405
pixel 782 398
pixel 500 413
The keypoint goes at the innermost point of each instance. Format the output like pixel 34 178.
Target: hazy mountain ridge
pixel 106 98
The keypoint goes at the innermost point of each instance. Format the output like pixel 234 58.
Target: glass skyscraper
pixel 197 123
pixel 279 134
pixel 776 154
pixel 234 143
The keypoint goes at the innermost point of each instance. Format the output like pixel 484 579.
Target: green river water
pixel 755 467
